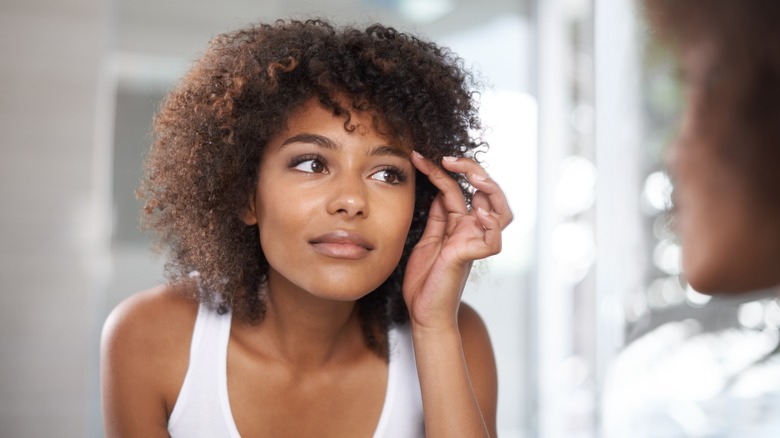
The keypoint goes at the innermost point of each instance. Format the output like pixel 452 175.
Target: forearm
pixel 459 400
pixel 449 402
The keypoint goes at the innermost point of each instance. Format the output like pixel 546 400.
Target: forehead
pixel 313 116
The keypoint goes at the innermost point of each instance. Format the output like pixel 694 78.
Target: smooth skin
pixel 305 370
pixel 730 238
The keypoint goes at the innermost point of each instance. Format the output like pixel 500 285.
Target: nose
pixel 348 197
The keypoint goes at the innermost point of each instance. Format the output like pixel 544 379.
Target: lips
pixel 342 245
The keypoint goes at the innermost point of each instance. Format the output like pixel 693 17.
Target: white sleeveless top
pixel 203 410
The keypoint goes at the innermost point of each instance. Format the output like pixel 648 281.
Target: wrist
pixel 438 333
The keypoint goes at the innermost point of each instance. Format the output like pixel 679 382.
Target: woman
pixel 726 159
pixel 313 187
pixel 682 379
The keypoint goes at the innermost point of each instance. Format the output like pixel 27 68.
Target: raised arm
pixel 454 358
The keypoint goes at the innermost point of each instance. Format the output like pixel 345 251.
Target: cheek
pixel 405 211
pixel 730 245
pixel 279 220
pixel 272 230
pixel 396 219
pixel 706 212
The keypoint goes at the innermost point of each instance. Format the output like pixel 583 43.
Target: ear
pixel 249 214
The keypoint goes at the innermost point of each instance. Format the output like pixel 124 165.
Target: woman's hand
pixel 454 237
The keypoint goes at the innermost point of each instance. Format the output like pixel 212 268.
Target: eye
pixel 309 164
pixel 390 175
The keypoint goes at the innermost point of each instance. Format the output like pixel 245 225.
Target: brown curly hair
pixel 210 132
pixel 739 105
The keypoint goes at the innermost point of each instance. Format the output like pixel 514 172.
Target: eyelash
pixel 296 161
pixel 400 175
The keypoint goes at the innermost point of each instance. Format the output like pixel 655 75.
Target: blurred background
pixel 595 329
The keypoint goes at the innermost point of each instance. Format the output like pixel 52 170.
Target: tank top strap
pixel 203 408
pixel 402 414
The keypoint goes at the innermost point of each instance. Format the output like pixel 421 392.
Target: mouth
pixel 342 245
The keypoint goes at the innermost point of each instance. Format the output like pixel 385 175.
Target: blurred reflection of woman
pixel 315 190
pixel 680 381
pixel 726 159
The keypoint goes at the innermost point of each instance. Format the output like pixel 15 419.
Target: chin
pixel 730 279
pixel 730 263
pixel 337 291
pixel 712 286
pixel 340 295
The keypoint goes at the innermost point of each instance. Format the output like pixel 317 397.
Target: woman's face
pixel 333 206
pixel 731 243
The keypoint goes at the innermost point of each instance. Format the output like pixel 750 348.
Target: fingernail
pixel 417 154
pixel 477 177
pixel 450 159
pixel 482 211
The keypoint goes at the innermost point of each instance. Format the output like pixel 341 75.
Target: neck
pixel 308 331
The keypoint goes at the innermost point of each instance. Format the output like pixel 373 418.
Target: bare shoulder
pixel 480 361
pixel 164 307
pixel 152 321
pixel 472 327
pixel 151 326
pixel 144 357
pixel 477 347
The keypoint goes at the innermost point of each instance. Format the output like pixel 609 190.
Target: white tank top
pixel 203 410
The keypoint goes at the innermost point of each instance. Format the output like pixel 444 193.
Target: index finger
pixel 452 195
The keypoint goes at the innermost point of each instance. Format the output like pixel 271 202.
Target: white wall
pixel 49 56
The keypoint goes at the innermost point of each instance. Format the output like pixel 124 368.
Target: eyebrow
pixel 327 143
pixel 319 140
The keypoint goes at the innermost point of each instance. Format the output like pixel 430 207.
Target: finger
pixel 492 226
pixel 479 178
pixel 436 224
pixel 464 165
pixel 480 200
pixel 482 239
pixel 452 199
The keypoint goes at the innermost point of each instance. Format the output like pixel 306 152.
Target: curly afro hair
pixel 210 132
pixel 739 107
